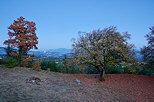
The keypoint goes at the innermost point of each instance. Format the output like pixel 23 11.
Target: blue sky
pixel 58 21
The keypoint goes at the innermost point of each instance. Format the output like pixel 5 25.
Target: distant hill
pixel 2 51
pixel 60 53
pixel 51 52
pixel 61 50
pixel 138 55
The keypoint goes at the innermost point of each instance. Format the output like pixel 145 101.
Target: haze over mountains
pixel 60 50
pixel 2 51
pixel 59 53
pixel 51 52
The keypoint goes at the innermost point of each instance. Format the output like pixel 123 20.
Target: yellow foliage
pixel 81 70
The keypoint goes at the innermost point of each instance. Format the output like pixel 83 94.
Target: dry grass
pixel 57 87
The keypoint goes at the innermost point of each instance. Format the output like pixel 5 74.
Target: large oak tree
pixel 103 47
pixel 22 36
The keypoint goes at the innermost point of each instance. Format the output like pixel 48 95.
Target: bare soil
pixel 58 87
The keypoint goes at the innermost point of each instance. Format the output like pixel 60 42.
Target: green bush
pixel 59 67
pixel 140 69
pixel 146 69
pixel 147 72
pixel 30 64
pixel 129 71
pixel 44 65
pixel 11 62
pixel 74 69
pixel 114 70
pixel 52 65
pixel 91 70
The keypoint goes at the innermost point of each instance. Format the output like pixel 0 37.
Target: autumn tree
pixel 148 51
pixel 103 47
pixel 22 36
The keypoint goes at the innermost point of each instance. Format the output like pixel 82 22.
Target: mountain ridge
pixel 59 52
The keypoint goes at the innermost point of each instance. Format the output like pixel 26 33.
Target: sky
pixel 58 21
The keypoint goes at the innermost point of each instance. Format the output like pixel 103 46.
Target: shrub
pixel 59 67
pixel 146 69
pixel 144 72
pixel 74 69
pixel 11 62
pixel 55 67
pixel 37 66
pixel 129 71
pixel 134 68
pixel 27 61
pixel 89 69
pixel 114 70
pixel 50 64
pixel 30 64
pixel 23 64
pixel 48 70
pixel 44 65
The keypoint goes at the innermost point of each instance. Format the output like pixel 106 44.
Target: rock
pixel 77 81
pixel 34 80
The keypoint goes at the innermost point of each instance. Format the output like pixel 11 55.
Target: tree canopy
pixel 148 51
pixel 22 36
pixel 103 47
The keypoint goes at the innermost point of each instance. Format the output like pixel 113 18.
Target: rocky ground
pixel 27 85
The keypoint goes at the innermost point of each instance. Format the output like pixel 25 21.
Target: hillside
pixel 15 85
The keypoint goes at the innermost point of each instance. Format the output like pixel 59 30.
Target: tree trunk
pixel 20 54
pixel 102 74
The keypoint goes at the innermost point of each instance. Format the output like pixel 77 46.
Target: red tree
pixel 22 36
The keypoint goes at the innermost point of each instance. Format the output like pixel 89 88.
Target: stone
pixel 77 81
pixel 34 80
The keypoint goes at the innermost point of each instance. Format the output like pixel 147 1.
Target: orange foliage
pixel 37 66
pixel 14 54
pixel 22 35
pixel 24 56
pixel 27 58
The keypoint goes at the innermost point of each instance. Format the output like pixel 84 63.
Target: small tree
pixel 22 36
pixel 148 51
pixel 103 47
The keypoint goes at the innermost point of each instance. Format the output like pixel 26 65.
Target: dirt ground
pixel 58 87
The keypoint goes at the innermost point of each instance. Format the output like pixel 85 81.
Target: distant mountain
pixel 138 55
pixel 60 53
pixel 2 51
pixel 60 50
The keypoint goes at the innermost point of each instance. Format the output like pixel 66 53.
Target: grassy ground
pixel 58 87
